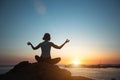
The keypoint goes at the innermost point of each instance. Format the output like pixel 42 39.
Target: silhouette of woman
pixel 45 48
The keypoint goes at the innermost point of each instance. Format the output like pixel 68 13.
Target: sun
pixel 76 62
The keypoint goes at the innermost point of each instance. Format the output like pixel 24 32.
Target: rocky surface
pixel 38 71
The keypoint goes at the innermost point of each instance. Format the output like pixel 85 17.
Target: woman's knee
pixel 36 56
pixel 59 58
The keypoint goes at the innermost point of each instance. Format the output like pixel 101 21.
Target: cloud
pixel 40 7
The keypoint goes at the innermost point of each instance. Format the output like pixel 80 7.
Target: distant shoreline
pixel 93 66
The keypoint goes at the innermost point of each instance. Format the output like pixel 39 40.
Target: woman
pixel 45 48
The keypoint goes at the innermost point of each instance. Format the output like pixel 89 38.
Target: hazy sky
pixel 93 26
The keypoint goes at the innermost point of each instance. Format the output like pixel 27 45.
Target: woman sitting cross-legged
pixel 45 48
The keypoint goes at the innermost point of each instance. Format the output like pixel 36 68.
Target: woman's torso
pixel 45 48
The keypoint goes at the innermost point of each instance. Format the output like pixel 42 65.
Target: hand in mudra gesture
pixel 29 43
pixel 67 41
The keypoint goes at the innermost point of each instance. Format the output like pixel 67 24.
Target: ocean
pixel 93 73
pixel 96 73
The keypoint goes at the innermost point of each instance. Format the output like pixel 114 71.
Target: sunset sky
pixel 93 27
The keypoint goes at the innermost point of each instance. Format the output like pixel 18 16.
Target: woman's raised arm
pixel 34 48
pixel 59 47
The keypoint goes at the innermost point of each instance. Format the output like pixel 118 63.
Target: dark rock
pixel 36 71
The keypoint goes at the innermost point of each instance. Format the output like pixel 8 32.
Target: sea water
pixel 5 68
pixel 96 73
pixel 93 73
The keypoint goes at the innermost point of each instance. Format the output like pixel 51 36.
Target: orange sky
pixel 69 53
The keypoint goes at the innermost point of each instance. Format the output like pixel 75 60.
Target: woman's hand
pixel 67 41
pixel 29 43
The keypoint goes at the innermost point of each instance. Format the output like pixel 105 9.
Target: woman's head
pixel 46 37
